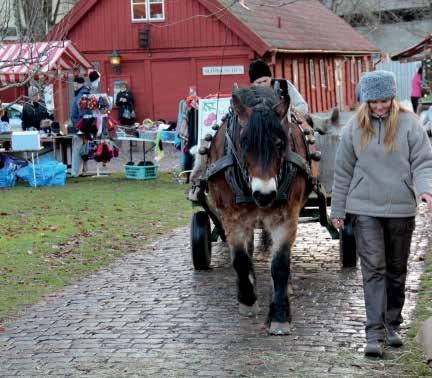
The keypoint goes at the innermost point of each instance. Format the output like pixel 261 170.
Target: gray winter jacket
pixel 373 182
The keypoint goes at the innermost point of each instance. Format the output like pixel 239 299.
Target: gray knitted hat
pixel 377 85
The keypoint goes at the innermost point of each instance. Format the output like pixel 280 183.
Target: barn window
pixel 353 80
pixel 323 74
pixel 148 10
pixel 312 73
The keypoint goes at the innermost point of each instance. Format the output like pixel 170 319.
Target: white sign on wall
pixel 210 112
pixel 223 70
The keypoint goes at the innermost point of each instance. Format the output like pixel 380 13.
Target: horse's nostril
pixel 264 199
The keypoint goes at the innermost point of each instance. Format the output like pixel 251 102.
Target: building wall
pixel 109 26
pixel 161 76
pixel 325 81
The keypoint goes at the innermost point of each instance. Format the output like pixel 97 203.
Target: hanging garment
pixel 103 153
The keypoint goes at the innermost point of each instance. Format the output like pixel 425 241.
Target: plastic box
pixel 147 135
pixel 141 172
pixel 168 136
pixel 26 141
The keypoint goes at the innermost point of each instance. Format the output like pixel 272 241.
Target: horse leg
pixel 266 240
pixel 250 244
pixel 279 317
pixel 239 240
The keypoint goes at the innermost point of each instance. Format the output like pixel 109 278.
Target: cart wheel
pixel 347 245
pixel 201 241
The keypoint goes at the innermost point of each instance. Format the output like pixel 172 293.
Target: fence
pixel 404 73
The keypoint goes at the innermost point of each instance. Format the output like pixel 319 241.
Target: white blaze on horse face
pixel 263 186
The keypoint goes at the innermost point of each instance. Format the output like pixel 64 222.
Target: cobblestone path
pixel 150 314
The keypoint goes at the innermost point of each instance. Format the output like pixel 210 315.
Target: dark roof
pixel 303 25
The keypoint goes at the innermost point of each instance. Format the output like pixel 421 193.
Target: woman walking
pixel 383 155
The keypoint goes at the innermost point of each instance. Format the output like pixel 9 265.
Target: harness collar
pixel 236 173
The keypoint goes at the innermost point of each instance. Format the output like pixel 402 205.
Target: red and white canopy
pixel 21 60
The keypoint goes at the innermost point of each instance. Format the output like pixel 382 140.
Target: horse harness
pixel 235 169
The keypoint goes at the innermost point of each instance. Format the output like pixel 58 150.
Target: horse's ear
pixel 334 118
pixel 309 120
pixel 282 108
pixel 242 111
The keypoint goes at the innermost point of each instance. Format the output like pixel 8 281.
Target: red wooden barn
pixel 167 46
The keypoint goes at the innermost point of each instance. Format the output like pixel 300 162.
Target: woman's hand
pixel 426 197
pixel 338 223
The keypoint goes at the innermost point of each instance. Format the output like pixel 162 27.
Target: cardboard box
pixel 26 141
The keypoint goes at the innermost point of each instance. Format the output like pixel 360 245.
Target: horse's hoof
pixel 249 311
pixel 279 329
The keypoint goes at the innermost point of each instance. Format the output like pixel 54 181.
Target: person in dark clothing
pixel 80 89
pixel 34 111
pixel 3 114
pixel 192 122
pixel 76 114
pixel 125 102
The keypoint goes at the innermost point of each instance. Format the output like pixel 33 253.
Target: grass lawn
pixel 53 236
pixel 413 358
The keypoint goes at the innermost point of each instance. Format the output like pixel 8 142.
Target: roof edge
pixel 312 51
pixel 74 16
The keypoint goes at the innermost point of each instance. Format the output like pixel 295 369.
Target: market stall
pixel 47 67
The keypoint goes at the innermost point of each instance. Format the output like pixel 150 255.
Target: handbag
pixel 126 114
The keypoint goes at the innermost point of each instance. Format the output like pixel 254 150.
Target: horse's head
pixel 263 139
pixel 325 125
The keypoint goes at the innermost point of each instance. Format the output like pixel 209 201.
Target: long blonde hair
pixel 363 116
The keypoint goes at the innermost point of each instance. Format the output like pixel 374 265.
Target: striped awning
pixel 42 59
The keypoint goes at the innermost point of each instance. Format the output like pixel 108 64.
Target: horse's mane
pixel 263 126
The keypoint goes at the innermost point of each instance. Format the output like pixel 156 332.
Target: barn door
pixel 339 81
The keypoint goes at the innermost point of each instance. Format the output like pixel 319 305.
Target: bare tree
pixel 35 18
pixel 375 13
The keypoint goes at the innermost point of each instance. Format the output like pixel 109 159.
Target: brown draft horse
pixel 268 185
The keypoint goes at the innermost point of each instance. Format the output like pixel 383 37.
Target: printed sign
pixel 210 112
pixel 223 70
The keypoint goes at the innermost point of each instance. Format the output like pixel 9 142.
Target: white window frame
pixel 353 66
pixel 147 8
pixel 295 73
pixel 312 73
pixel 323 74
